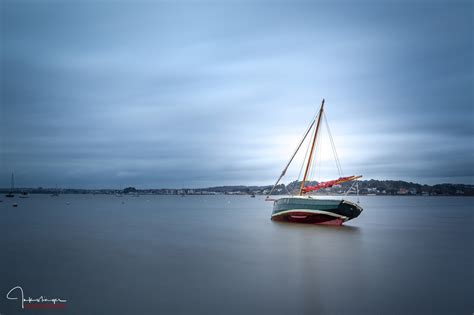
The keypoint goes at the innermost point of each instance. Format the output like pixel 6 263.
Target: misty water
pixel 223 255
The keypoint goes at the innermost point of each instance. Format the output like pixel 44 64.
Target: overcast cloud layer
pixel 110 94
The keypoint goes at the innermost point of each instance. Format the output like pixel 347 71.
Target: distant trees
pixel 129 190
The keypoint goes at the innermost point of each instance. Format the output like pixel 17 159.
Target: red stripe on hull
pixel 308 218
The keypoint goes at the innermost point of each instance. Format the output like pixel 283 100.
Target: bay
pixel 223 255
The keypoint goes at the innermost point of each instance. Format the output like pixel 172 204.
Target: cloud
pixel 170 95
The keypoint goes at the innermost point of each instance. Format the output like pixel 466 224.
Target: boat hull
pixel 314 211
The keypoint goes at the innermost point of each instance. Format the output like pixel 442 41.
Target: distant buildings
pixel 368 187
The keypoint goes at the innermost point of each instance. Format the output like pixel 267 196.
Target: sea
pixel 158 254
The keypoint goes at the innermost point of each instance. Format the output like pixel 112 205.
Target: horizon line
pixel 239 185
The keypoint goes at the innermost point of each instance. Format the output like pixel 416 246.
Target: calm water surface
pixel 223 255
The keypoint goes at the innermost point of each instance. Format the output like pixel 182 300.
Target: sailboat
pixel 55 192
pixel 10 194
pixel 303 208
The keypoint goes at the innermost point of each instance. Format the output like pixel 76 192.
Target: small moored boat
pixel 10 193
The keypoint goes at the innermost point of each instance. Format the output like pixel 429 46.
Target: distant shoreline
pixel 366 187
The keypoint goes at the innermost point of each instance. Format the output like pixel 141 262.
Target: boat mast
pixel 312 147
pixel 12 183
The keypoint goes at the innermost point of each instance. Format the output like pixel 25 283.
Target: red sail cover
pixel 329 183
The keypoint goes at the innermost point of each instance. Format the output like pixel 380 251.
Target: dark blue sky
pixel 171 94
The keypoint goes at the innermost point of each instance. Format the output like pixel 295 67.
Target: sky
pixel 99 94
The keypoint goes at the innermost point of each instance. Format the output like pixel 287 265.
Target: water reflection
pixel 321 227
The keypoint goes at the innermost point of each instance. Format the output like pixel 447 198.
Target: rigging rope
pixel 305 155
pixel 312 164
pixel 356 184
pixel 317 160
pixel 320 159
pixel 293 156
pixel 333 146
pixel 350 188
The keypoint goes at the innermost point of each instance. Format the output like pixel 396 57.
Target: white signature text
pixel 21 296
